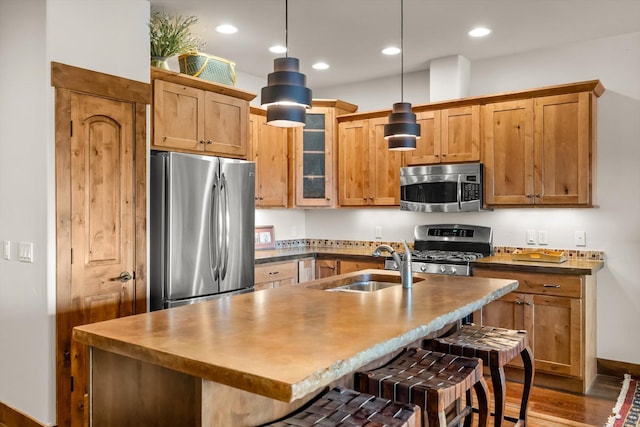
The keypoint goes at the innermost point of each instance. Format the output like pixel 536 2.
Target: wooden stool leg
pixel 482 393
pixel 499 394
pixel 528 382
pixel 469 418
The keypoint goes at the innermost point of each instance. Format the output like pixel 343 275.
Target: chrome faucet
pixel 404 266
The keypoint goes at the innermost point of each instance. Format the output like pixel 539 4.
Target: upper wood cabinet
pixel 369 174
pixel 315 156
pixel 447 136
pixel 539 151
pixel 269 150
pixel 196 116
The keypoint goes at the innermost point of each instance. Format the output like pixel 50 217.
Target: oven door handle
pixel 460 192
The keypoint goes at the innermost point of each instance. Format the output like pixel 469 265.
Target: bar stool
pixel 432 380
pixel 341 406
pixel 496 347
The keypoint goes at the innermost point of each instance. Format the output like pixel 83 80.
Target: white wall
pixel 110 37
pixel 613 227
pixel 27 369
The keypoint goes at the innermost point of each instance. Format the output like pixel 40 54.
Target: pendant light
pixel 402 130
pixel 285 97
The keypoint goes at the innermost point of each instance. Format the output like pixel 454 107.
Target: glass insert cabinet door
pixel 314 160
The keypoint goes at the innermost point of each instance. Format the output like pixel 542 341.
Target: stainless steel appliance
pixel 447 248
pixel 441 188
pixel 202 224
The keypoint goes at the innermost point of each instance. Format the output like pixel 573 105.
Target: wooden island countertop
pixel 287 343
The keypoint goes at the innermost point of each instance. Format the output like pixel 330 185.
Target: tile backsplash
pixel 372 244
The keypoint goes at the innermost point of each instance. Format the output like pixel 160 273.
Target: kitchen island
pixel 251 358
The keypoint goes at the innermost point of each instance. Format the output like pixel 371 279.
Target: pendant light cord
pixel 286 28
pixel 401 50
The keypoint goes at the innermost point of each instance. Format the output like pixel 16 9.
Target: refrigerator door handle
pixel 213 229
pixel 225 224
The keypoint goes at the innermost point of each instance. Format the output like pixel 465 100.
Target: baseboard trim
pixel 11 417
pixel 617 369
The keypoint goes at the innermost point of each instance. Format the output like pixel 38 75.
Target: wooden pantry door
pixel 101 243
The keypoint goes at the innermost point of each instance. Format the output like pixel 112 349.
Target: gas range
pixel 447 248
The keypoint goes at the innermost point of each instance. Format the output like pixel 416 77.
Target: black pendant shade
pixel 285 97
pixel 402 129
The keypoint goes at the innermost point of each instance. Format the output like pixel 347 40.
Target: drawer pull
pixel 551 286
pixel 273 273
pixel 518 302
pixel 528 303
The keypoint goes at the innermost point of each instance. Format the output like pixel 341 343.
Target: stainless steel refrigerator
pixel 202 225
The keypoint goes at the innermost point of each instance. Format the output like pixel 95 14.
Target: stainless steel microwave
pixel 441 188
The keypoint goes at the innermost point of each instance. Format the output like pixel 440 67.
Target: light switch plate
pixel 6 251
pixel 543 237
pixel 25 251
pixel 378 231
pixel 531 237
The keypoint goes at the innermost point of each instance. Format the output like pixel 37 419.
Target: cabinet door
pixel 557 334
pixel 226 128
pixel 348 266
pixel 326 268
pixel 276 274
pixel 563 149
pixel 353 163
pixel 178 116
pixel 460 137
pixel 384 173
pixel 428 145
pixel 315 159
pixel 269 152
pixel 508 153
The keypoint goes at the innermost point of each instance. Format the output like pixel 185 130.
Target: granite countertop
pixel 287 342
pixel 571 266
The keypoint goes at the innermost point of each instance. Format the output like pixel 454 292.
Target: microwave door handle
pixel 459 192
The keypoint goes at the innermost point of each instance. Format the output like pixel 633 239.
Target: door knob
pixel 124 277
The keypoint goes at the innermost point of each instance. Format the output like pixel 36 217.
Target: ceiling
pixel 349 34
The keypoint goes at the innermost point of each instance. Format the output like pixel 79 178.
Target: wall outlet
pixel 543 237
pixel 581 238
pixel 531 237
pixel 378 232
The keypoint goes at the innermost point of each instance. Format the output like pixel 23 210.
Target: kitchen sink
pixel 364 286
pixel 366 282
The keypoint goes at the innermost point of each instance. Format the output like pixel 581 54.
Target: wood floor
pixel 550 408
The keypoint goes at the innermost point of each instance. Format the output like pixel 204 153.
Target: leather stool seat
pixel 343 407
pixel 496 347
pixel 432 380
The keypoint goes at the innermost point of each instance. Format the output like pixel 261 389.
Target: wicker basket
pixel 208 67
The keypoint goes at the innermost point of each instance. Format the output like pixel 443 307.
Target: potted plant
pixel 169 36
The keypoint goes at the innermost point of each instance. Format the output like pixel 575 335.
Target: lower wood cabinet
pixel 327 267
pixel 558 311
pixel 275 274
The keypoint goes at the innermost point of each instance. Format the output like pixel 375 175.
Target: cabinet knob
pixel 528 303
pixel 529 196
pixel 209 142
pixel 202 141
pixel 537 196
pixel 435 155
pixel 518 302
pixel 444 155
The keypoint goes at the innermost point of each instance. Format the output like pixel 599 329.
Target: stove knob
pixel 394 266
pixel 443 269
pixel 423 268
pixel 452 270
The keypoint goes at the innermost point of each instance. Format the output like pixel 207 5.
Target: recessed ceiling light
pixel 391 50
pixel 320 65
pixel 277 49
pixel 226 29
pixel 479 32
